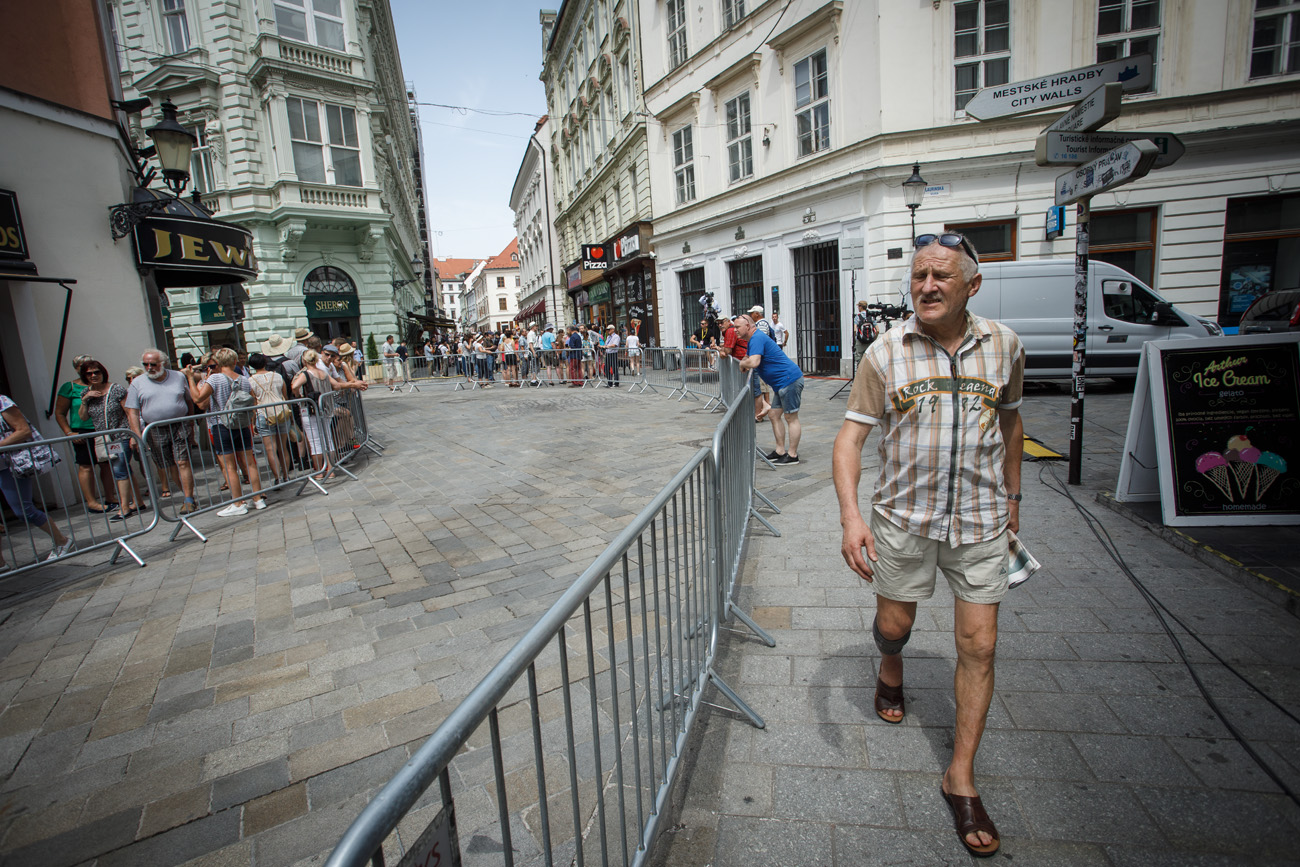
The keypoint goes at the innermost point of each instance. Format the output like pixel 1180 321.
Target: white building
pixel 541 295
pixel 450 277
pixel 599 166
pixel 781 135
pixel 493 297
pixel 306 138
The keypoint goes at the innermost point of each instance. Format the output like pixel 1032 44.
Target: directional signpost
pixel 1077 148
pixel 1093 111
pixel 1104 160
pixel 1059 89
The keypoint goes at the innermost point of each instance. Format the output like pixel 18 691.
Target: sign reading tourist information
pixel 595 257
pixel 1059 88
pixel 1093 111
pixel 1077 148
pixel 1119 166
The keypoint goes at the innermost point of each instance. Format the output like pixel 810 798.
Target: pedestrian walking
pixel 945 391
pixel 16 481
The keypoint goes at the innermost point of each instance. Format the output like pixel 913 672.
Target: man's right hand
pixel 857 536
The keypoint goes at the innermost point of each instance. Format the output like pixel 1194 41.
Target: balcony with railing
pixel 287 55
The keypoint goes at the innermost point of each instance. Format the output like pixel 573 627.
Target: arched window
pixel 328 280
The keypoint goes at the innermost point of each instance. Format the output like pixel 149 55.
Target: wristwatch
pixel 1015 498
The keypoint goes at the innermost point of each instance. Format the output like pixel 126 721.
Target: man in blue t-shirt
pixel 786 381
pixel 549 359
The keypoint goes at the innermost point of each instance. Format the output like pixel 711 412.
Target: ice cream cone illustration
pixel 1267 468
pixel 1244 468
pixel 1215 468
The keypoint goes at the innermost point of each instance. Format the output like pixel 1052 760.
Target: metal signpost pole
pixel 1080 340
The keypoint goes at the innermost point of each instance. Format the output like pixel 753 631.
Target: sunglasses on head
pixel 948 239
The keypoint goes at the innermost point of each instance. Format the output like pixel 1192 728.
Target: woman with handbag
pixel 231 439
pixel 101 404
pixel 273 424
pixel 67 415
pixel 17 468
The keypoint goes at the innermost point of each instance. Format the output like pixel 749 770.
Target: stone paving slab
pixel 239 701
pixel 1099 748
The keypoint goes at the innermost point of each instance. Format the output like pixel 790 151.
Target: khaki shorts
pixel 906 565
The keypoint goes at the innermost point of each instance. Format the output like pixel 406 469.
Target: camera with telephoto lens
pixel 888 311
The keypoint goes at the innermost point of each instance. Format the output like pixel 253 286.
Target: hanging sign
pixel 1115 168
pixel 1093 111
pixel 1077 148
pixel 1055 222
pixel 1059 88
pixel 595 257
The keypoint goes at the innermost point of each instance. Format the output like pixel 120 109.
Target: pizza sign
pixel 595 257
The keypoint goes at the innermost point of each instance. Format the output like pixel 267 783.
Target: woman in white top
pixel 232 444
pixel 312 383
pixel 272 425
pixel 634 346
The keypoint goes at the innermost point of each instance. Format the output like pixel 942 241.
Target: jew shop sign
pixel 1227 414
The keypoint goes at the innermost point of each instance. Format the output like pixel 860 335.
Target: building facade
pixel 599 160
pixel 780 136
pixel 492 301
pixel 307 137
pixel 450 276
pixel 542 297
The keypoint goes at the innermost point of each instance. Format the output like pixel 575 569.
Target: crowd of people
pixel 242 388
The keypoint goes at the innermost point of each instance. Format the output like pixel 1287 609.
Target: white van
pixel 1036 300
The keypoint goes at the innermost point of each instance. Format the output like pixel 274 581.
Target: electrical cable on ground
pixel 1158 608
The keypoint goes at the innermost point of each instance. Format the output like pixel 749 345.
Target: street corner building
pixel 307 138
pixel 778 138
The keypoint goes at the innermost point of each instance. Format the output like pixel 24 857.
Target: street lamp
pixel 172 146
pixel 913 192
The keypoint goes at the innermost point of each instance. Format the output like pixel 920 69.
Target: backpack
pixel 864 330
pixel 273 416
pixel 277 365
pixel 239 405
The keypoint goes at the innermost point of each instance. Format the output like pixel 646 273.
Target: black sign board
pixel 1227 417
pixel 595 257
pixel 188 251
pixel 13 242
pixel 332 306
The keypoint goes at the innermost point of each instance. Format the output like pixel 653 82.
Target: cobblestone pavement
pixel 237 702
pixel 1099 749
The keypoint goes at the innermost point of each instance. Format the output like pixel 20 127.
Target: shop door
pixel 692 286
pixel 328 329
pixel 817 308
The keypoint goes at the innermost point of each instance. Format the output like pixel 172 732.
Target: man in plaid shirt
pixel 945 391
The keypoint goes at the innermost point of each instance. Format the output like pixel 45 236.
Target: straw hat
pixel 301 334
pixel 275 345
pixel 345 349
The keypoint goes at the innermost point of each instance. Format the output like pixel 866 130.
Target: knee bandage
pixel 888 646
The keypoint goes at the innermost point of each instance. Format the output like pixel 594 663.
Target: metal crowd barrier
pixel 588 714
pixel 199 474
pixel 700 375
pixel 58 493
pixel 344 423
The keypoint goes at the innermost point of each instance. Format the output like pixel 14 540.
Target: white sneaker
pixel 259 503
pixel 60 550
pixel 234 510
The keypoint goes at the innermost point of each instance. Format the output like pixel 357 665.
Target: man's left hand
pixel 1013 518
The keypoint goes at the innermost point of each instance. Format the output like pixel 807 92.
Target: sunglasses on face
pixel 948 239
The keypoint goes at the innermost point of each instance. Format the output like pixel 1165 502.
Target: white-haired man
pixel 158 396
pixel 945 391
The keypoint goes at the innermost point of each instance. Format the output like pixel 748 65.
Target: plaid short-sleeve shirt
pixel 941 449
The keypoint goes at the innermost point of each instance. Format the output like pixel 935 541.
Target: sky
pixel 481 56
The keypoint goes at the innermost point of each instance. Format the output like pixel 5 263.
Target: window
pixel 1128 27
pixel 746 284
pixel 328 280
pixel 691 284
pixel 202 178
pixel 316 159
pixel 1125 239
pixel 501 282
pixel 994 241
pixel 501 302
pixel 319 22
pixel 1261 251
pixel 610 113
pixel 676 33
pixel 684 165
pixel 1128 302
pixel 115 30
pixel 982 46
pixel 1275 43
pixel 812 98
pixel 625 83
pixel 176 29
pixel 740 144
pixel 732 11
pixel 516 281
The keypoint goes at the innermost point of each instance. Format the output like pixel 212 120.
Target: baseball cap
pixel 756 309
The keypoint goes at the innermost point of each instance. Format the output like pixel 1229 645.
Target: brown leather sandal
pixel 969 816
pixel 889 698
